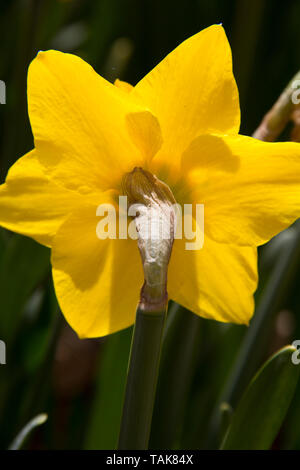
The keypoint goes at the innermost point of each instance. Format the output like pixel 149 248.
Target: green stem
pixel 141 380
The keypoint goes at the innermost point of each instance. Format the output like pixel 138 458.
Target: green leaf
pixel 262 408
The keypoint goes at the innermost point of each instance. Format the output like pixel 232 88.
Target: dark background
pixel 80 383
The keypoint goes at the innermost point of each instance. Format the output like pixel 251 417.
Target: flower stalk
pixel 280 114
pixel 151 204
pixel 141 380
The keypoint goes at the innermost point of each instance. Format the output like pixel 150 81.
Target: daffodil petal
pixel 193 91
pixel 97 282
pixel 79 123
pixel 123 85
pixel 216 282
pixel 250 189
pixel 31 204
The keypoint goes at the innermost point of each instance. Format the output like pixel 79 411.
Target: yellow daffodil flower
pixel 180 123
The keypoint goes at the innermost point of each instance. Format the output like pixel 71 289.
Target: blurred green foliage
pixel 260 412
pixel 80 384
